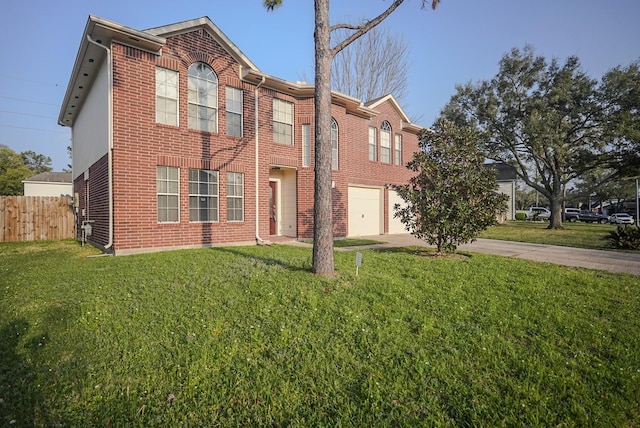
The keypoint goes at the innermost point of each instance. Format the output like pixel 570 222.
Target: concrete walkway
pixel 612 261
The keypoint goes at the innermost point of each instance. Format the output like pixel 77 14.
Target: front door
pixel 273 208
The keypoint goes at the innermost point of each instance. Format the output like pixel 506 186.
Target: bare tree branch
pixel 373 66
pixel 366 27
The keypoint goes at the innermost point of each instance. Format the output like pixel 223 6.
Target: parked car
pixel 591 217
pixel 540 213
pixel 621 218
pixel 536 213
pixel 571 214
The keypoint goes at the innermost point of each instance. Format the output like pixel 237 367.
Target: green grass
pixel 246 336
pixel 349 242
pixel 581 235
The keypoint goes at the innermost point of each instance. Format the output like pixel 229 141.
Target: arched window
pixel 334 144
pixel 385 142
pixel 203 97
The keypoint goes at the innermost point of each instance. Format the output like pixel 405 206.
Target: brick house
pixel 180 141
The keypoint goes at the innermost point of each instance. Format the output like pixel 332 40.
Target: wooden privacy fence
pixel 33 218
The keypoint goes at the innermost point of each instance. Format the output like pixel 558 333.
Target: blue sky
pixel 461 41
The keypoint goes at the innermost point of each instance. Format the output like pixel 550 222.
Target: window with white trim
pixel 235 196
pixel 234 111
pixel 168 194
pixel 385 142
pixel 203 98
pixel 397 155
pixel 373 144
pixel 306 145
pixel 203 195
pixel 166 96
pixel 282 122
pixel 334 144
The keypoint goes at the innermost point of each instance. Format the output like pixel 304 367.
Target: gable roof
pixel 96 38
pixel 206 24
pixel 388 98
pixel 506 172
pixel 406 122
pixel 50 177
pixel 99 33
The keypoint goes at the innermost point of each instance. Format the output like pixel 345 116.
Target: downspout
pixel 109 137
pixel 259 240
pixel 512 198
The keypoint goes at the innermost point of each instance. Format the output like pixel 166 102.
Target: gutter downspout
pixel 259 240
pixel 109 137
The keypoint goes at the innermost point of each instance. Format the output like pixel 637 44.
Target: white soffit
pixel 90 58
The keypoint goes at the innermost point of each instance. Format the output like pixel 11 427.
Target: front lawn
pixel 349 242
pixel 581 235
pixel 246 336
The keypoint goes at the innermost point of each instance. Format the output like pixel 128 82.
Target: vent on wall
pixel 134 53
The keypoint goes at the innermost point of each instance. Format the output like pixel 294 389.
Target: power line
pixel 27 114
pixel 29 101
pixel 33 129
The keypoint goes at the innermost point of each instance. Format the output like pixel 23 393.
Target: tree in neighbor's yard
pixel 454 196
pixel 373 66
pixel 545 118
pixel 15 167
pixel 620 94
pixel 324 53
pixel 603 185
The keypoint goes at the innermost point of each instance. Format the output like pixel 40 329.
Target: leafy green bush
pixel 453 197
pixel 521 216
pixel 625 238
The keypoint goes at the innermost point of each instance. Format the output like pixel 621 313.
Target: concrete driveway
pixel 612 261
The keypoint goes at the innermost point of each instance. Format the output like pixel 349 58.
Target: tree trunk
pixel 323 206
pixel 556 199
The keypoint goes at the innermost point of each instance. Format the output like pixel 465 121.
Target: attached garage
pixel 365 211
pixel 395 225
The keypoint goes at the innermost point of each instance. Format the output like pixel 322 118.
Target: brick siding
pixel 140 144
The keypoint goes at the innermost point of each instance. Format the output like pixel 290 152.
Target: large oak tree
pixel 550 120
pixel 324 54
pixel 620 95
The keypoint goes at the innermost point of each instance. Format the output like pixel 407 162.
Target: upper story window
pixel 373 144
pixel 203 98
pixel 385 142
pixel 234 111
pixel 282 122
pixel 166 96
pixel 334 144
pixel 397 155
pixel 306 144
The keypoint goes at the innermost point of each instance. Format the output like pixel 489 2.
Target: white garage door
pixel 395 225
pixel 365 205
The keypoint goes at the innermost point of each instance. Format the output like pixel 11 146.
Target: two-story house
pixel 180 141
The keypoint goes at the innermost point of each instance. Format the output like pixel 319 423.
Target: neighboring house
pixel 179 140
pixel 506 178
pixel 49 184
